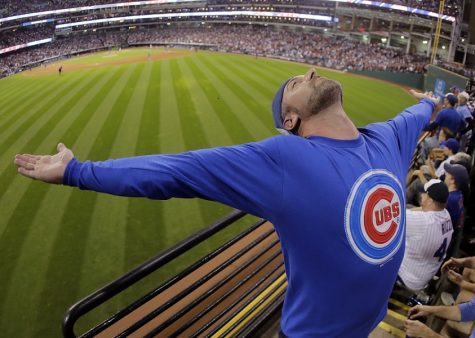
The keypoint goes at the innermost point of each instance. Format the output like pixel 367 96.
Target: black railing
pixel 187 291
pixel 107 292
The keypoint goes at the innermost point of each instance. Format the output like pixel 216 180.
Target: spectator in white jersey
pixel 428 234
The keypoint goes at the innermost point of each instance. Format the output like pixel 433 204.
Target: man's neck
pixel 452 187
pixel 332 123
pixel 431 207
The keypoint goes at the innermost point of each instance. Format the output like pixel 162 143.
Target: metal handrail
pixel 218 301
pixel 237 301
pixel 198 300
pixel 138 324
pixel 110 290
pixel 246 304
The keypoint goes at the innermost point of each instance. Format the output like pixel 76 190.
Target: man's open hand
pixel 426 95
pixel 46 168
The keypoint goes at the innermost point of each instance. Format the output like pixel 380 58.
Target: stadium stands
pixel 326 51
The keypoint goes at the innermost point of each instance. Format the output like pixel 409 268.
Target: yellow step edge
pixel 392 330
pixel 396 315
pixel 399 304
pixel 261 307
pixel 245 311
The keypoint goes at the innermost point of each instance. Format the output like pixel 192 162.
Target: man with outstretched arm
pixel 335 194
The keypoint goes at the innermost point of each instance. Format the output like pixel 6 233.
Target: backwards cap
pixel 277 108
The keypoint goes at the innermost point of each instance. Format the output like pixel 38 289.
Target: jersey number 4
pixel 440 253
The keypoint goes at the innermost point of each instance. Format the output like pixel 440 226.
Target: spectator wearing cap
pixel 450 147
pixel 463 159
pixel 456 178
pixel 448 117
pixel 428 234
pixel 462 107
pixel 466 132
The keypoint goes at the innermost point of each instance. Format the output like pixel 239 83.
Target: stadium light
pixel 384 40
pixel 425 42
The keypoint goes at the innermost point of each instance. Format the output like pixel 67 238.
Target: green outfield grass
pixel 58 244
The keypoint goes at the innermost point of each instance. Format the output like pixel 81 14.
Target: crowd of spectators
pixel 458 68
pixel 306 46
pixel 326 51
pixel 25 35
pixel 441 185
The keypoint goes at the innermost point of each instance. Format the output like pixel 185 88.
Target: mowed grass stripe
pixel 182 216
pixel 17 90
pixel 41 233
pixel 25 210
pixel 227 90
pixel 193 131
pixel 31 120
pixel 270 70
pixel 146 227
pixel 214 129
pixel 210 211
pixel 19 104
pixel 251 77
pixel 236 85
pixel 25 113
pixel 234 128
pixel 82 145
pixel 14 85
pixel 29 140
pixel 67 253
pixel 104 251
pixel 116 209
pixel 254 101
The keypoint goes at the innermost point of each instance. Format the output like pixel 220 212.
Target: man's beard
pixel 325 94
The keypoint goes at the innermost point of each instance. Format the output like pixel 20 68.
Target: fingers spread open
pixel 27 158
pixel 27 173
pixel 20 162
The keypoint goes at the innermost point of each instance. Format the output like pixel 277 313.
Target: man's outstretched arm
pixel 247 177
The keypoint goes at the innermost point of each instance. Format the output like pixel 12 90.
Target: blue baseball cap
pixel 277 108
pixel 459 172
pixel 452 99
pixel 452 144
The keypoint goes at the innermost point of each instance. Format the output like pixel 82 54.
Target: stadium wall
pixel 406 79
pixel 439 80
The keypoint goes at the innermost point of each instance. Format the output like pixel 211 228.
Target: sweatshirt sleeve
pixel 467 311
pixel 247 177
pixel 407 127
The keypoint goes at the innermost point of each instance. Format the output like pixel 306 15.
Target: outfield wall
pixel 405 79
pixel 440 81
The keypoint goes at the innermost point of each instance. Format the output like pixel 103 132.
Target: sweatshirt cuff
pixel 428 101
pixel 71 173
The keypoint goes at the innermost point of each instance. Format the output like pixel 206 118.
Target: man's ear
pixel 290 120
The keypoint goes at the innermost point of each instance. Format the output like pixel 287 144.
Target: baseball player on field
pixel 335 194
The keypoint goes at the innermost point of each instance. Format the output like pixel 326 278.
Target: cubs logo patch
pixel 374 216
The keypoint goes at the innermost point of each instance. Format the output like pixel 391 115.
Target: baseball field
pixel 59 244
